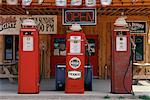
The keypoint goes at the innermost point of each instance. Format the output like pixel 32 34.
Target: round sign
pixel 75 62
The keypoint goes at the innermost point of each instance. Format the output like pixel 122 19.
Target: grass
pixel 120 97
pixel 107 97
pixel 144 97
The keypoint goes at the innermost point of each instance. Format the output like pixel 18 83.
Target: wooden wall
pixel 104 29
pixel 1 48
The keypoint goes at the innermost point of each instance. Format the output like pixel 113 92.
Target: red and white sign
pixel 75 62
pixel 74 74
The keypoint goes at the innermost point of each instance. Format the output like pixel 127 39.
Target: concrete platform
pixel 101 90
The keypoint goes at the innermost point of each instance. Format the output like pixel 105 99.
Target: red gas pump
pixel 121 81
pixel 75 61
pixel 29 66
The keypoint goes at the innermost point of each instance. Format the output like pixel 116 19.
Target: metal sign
pixel 80 16
pixel 137 27
pixel 74 74
pixel 75 63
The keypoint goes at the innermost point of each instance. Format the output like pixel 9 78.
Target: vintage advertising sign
pixel 80 16
pixel 74 74
pixel 47 24
pixel 137 27
pixel 75 63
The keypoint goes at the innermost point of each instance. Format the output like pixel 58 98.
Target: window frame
pixel 13 47
pixel 144 47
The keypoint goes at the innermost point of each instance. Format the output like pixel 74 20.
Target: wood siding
pixel 103 29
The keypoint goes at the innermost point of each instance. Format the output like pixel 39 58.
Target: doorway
pixel 58 52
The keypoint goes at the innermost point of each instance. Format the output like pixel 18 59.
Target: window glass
pixel 8 47
pixel 59 46
pixel 139 51
pixel 91 43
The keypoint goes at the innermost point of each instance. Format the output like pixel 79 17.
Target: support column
pixel 1 50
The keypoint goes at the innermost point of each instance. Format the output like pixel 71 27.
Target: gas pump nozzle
pixel 133 45
pixel 43 47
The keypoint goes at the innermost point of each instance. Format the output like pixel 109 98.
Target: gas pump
pixel 75 60
pixel 29 66
pixel 121 81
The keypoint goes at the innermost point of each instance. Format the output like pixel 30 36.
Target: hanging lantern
pixel 76 2
pixel 12 2
pixel 106 2
pixel 26 2
pixel 121 20
pixel 61 2
pixel 90 2
pixel 40 1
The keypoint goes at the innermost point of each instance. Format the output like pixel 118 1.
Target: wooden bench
pixel 139 71
pixel 9 70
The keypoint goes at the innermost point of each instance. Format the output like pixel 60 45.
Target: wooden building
pixel 137 12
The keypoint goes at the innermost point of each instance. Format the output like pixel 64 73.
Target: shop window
pixel 139 51
pixel 11 47
pixel 91 43
pixel 8 47
pixel 60 46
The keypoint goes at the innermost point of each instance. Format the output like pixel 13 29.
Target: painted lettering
pixel 8 22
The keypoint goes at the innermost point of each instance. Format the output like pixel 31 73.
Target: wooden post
pixel 1 51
